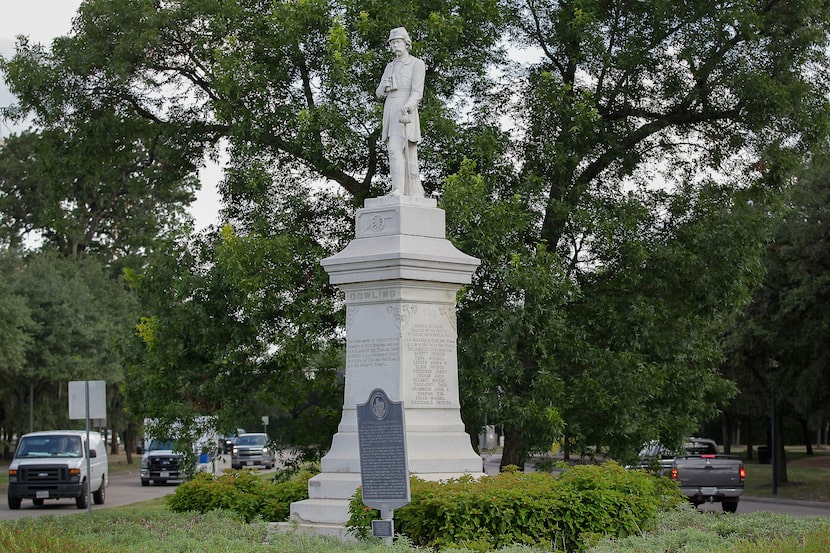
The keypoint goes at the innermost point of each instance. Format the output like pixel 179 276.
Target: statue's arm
pixel 380 92
pixel 417 93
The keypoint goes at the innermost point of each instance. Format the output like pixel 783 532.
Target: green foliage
pixel 687 530
pixel 23 538
pixel 242 492
pixel 131 530
pixel 218 310
pixel 611 261
pixel 115 532
pixel 788 318
pixel 635 261
pixel 72 315
pixel 567 511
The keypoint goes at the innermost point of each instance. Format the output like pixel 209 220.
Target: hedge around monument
pixel 568 511
pixel 242 492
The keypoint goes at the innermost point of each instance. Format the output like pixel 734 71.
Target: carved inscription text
pixel 372 353
pixel 430 348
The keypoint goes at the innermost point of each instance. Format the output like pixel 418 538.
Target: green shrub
pixel 580 506
pixel 241 492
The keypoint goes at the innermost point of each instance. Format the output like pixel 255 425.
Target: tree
pixel 237 321
pixel 108 187
pixel 77 314
pixel 600 300
pixel 779 344
pixel 605 301
pixel 287 86
pixel 293 80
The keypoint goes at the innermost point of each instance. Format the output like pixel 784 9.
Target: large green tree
pixel 779 346
pixel 618 221
pixel 76 316
pixel 294 80
pixel 606 298
pixel 241 323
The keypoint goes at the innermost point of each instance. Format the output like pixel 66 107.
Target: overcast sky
pixel 42 21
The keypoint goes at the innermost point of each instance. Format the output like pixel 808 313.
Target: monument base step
pixel 338 531
pixel 321 511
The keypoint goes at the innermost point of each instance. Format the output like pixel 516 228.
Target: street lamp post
pixel 773 365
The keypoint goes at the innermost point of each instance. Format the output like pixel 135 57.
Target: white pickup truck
pixel 53 465
pixel 703 473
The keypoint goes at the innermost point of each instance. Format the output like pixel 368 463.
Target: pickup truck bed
pixel 703 473
pixel 710 478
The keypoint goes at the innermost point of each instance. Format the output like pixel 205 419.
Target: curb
pixel 785 501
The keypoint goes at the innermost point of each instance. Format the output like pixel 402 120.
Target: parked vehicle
pixel 253 450
pixel 160 464
pixel 53 465
pixel 703 473
pixel 227 441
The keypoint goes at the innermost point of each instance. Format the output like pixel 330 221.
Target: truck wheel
pixel 14 502
pixel 729 506
pixel 101 494
pixel 145 482
pixel 81 501
pixel 38 502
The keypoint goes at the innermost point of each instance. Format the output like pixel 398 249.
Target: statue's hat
pixel 400 32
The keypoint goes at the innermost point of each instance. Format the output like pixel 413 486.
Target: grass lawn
pixel 148 527
pixel 808 475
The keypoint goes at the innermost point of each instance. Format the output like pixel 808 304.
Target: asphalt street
pixel 125 488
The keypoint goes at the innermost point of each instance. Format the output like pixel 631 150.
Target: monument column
pixel 400 276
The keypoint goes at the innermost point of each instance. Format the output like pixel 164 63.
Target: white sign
pixel 97 399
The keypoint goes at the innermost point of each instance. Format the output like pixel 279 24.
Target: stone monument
pixel 400 276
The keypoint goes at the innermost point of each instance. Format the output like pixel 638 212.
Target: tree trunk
pixel 113 441
pixel 512 451
pixel 747 423
pixel 726 432
pixel 130 439
pixel 805 433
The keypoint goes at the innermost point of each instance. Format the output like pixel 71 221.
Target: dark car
pixel 253 450
pixel 227 441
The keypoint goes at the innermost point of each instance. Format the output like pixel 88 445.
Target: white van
pixel 53 464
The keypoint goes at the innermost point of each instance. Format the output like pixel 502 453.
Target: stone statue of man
pixel 402 86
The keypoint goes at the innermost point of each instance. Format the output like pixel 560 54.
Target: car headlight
pixel 235 450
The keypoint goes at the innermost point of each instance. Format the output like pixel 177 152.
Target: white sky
pixel 42 21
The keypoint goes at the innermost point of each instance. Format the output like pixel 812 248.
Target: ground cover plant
pixel 686 530
pixel 145 529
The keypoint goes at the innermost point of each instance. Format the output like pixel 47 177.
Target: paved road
pixel 785 506
pixel 125 488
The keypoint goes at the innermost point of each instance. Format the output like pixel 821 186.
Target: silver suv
pixel 252 450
